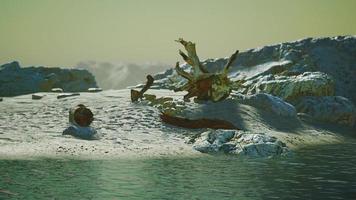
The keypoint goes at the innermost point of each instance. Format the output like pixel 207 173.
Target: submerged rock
pixel 334 109
pixel 267 102
pixel 15 80
pixel 241 144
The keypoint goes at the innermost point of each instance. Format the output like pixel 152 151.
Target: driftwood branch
pixel 230 61
pixel 183 73
pixel 136 95
pixel 197 123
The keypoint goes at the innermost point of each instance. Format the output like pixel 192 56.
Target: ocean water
pixel 321 172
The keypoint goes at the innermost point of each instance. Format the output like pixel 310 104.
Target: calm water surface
pixel 323 172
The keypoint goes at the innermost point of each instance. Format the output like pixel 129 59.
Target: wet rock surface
pixel 239 143
pixel 334 109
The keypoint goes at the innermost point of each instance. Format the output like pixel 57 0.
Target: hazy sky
pixel 65 32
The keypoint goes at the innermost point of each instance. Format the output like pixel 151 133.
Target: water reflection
pixel 324 172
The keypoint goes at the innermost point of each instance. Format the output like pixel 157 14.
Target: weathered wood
pixel 197 123
pixel 201 83
pixel 136 95
pixel 230 61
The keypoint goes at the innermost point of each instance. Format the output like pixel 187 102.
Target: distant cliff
pixel 15 80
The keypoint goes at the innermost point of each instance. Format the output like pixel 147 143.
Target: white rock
pixel 65 95
pixel 59 90
pixel 243 144
pixel 212 140
pixel 95 89
pixel 259 145
pixel 291 88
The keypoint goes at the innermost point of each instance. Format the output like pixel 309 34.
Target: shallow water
pixel 323 172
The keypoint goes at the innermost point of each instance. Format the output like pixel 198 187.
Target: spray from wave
pixel 121 75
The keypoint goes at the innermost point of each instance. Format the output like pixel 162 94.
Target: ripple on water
pixel 313 173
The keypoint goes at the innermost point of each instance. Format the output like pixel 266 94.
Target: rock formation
pixel 15 80
pixel 239 143
pixel 304 73
pixel 334 109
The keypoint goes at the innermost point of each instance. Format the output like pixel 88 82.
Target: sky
pixel 66 32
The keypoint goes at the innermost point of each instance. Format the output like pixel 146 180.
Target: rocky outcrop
pixel 15 80
pixel 239 143
pixel 268 103
pixel 290 88
pixel 333 109
pixel 301 73
pixel 332 58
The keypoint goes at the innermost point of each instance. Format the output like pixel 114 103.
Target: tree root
pixel 197 123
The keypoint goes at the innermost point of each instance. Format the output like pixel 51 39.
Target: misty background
pixel 121 75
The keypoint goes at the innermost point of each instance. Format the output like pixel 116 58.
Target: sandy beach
pixel 33 128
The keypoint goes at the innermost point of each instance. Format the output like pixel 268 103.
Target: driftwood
pixel 136 95
pixel 197 123
pixel 201 83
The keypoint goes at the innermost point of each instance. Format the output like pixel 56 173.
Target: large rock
pixel 15 80
pixel 240 144
pixel 268 103
pixel 334 109
pixel 290 88
pixel 258 145
pixel 334 56
pixel 212 140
